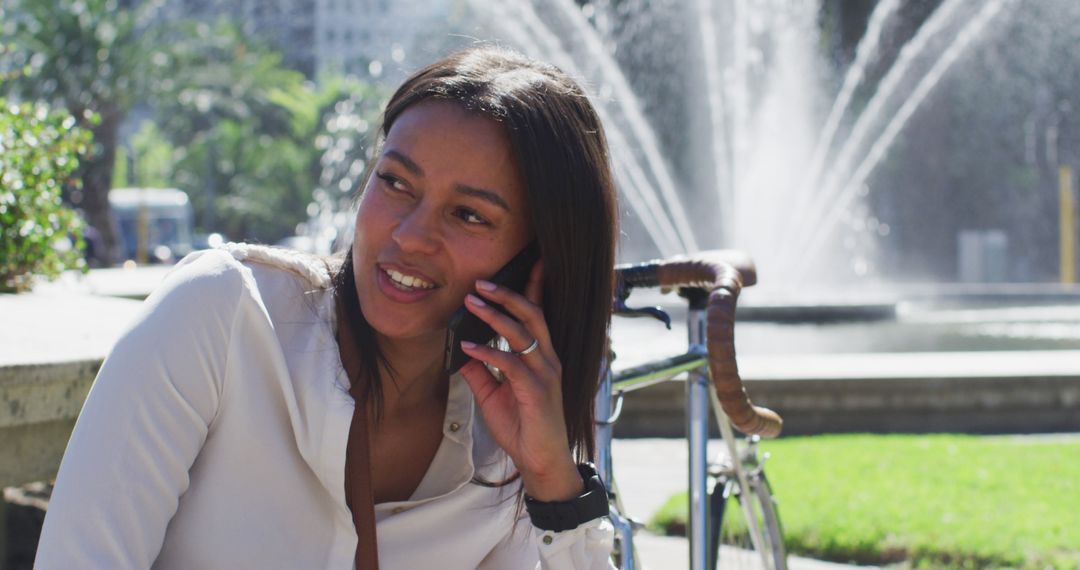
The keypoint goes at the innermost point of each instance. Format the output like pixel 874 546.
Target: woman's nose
pixel 418 232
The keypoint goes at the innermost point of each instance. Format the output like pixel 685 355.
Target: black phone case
pixel 467 326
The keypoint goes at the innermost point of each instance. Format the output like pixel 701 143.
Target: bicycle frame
pixel 606 415
pixel 694 364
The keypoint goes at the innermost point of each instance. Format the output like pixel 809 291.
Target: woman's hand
pixel 524 412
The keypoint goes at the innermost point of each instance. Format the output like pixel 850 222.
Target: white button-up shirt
pixel 215 435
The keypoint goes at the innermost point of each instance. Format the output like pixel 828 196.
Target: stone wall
pixel 980 405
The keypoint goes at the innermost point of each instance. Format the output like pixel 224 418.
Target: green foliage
pixel 254 154
pixel 930 501
pixel 343 136
pixel 671 518
pixel 219 74
pixel 120 174
pixel 253 143
pixel 94 58
pixel 153 163
pixel 256 185
pixel 82 54
pixel 155 157
pixel 39 150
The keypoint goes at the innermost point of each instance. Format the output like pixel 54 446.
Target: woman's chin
pixel 400 330
pixel 411 335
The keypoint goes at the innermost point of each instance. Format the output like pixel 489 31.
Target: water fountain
pixel 724 117
pixel 726 133
pixel 792 166
pixel 785 179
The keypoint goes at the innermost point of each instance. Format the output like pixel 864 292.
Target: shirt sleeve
pixel 144 422
pixel 587 547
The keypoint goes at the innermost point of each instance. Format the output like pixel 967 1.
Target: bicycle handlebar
pixel 723 274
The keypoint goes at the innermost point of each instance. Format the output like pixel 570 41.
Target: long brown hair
pixel 561 151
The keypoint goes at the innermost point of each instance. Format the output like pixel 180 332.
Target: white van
pixel 154 223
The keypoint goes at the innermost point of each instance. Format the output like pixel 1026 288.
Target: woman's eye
pixel 393 182
pixel 470 216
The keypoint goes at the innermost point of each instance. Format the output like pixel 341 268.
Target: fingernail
pixel 475 300
pixel 485 285
pixel 467 345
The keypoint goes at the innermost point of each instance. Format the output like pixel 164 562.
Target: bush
pixel 39 151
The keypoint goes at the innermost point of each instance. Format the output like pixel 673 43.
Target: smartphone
pixel 467 326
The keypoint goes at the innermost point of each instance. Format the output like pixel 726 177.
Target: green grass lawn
pixel 940 501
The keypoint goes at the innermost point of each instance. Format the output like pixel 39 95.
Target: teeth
pixel 408 280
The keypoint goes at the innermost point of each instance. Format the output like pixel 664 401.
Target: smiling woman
pixel 282 411
pixel 446 207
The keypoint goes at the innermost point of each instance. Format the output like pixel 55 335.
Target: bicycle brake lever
pixel 622 292
pixel 654 312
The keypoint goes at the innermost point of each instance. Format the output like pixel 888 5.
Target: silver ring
pixel 528 349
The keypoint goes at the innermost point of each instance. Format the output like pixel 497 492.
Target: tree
pixel 255 141
pixel 259 179
pixel 339 122
pixel 235 129
pixel 218 106
pixel 92 57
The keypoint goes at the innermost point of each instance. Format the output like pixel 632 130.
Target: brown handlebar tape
pixel 723 274
pixel 706 269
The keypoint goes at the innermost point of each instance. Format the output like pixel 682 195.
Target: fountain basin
pixel 994 361
pixel 818 312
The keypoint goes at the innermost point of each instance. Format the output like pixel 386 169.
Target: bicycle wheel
pixel 731 543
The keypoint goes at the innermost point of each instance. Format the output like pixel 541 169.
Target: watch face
pixel 587 470
pixel 597 499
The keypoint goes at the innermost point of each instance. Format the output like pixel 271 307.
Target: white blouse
pixel 215 434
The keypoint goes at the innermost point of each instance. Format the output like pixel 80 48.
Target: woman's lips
pixel 396 292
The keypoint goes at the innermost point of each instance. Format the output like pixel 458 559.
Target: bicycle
pixel 710 281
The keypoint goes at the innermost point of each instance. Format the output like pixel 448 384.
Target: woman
pixel 223 431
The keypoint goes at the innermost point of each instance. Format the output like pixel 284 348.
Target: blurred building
pixel 358 37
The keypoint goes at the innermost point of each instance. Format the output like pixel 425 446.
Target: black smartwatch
pixel 568 515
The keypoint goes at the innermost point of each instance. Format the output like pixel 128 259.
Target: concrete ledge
pixel 59 325
pixel 51 346
pixel 1017 392
pixel 38 407
pixel 34 393
pixel 33 452
pixel 123 283
pixel 924 405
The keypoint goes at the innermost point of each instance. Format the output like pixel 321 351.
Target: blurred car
pixel 154 223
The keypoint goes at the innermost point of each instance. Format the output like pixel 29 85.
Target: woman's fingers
pixel 505 326
pixel 482 382
pixel 528 314
pixel 508 362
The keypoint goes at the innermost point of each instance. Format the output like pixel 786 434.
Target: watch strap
pixel 558 516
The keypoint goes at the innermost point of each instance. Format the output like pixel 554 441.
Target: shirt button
pixel 547 539
pixel 455 426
